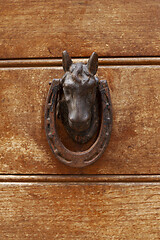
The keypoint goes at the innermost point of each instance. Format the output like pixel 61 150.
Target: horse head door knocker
pixel 83 104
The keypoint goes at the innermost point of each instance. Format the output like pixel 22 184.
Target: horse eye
pixel 91 91
pixel 67 91
pixel 91 94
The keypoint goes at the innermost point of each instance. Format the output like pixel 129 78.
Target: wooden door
pixel 118 197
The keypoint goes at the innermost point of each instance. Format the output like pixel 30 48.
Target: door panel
pixel 78 211
pixel 31 29
pixel 134 145
pixel 118 196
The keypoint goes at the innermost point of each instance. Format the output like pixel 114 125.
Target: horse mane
pixel 76 70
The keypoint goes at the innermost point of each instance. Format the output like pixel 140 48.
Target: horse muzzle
pixel 79 126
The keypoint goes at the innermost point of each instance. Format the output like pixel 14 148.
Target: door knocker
pixel 83 105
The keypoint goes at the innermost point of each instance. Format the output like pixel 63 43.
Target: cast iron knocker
pixel 84 106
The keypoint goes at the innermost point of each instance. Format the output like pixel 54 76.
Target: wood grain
pixel 76 211
pixel 31 29
pixel 134 145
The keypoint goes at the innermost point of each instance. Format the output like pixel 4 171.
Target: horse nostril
pixel 79 120
pixel 79 124
pixel 86 119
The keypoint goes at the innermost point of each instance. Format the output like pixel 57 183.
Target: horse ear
pixel 93 63
pixel 66 61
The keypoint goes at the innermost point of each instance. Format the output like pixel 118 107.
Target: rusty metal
pixel 78 98
pixel 84 107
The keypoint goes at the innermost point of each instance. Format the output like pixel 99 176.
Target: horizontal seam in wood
pixel 80 179
pixel 58 62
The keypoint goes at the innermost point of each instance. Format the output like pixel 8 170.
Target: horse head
pixel 79 87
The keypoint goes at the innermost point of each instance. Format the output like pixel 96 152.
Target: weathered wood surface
pixel 76 211
pixel 134 145
pixel 45 28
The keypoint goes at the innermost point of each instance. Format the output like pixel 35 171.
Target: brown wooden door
pixel 118 197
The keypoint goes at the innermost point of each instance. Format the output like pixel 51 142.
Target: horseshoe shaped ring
pixel 79 76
